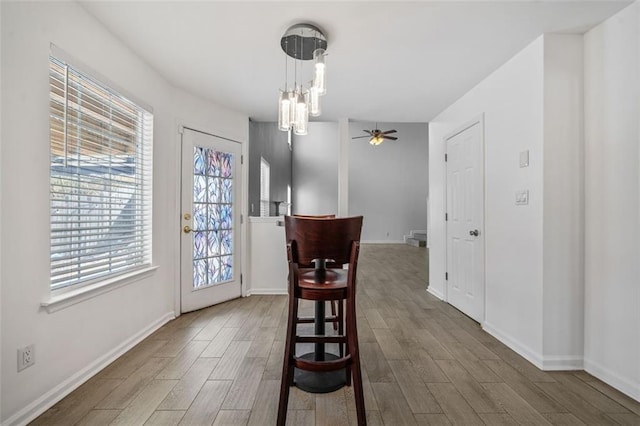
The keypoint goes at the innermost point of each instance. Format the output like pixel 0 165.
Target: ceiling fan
pixel 376 136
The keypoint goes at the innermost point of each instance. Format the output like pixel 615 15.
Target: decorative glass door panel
pixel 210 220
pixel 212 216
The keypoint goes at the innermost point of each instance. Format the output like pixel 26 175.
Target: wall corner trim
pixel 563 363
pixel 48 399
pixel 545 363
pixel 518 347
pixel 435 292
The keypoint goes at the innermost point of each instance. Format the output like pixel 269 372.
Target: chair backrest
pixel 322 238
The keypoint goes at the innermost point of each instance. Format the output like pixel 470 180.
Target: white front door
pixel 465 220
pixel 211 205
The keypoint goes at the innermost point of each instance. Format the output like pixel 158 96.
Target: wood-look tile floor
pixel 424 363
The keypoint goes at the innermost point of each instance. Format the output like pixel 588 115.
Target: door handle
pixel 187 229
pixel 474 233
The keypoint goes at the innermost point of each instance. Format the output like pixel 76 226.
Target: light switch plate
pixel 522 197
pixel 524 158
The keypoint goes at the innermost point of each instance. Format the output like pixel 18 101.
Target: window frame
pixel 142 154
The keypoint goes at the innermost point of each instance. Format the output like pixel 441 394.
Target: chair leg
pixel 347 345
pixel 341 324
pixel 353 349
pixel 287 365
pixel 333 314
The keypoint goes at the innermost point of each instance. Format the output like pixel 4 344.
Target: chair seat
pixel 327 279
pixel 331 285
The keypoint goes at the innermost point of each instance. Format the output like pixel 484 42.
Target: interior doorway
pixel 465 219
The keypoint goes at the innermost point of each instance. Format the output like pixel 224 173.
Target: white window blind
pixel 265 172
pixel 101 153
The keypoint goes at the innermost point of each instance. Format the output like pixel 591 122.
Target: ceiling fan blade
pixel 369 132
pixel 389 131
pixel 392 138
pixel 360 137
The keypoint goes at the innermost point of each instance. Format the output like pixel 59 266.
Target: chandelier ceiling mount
pixel 301 40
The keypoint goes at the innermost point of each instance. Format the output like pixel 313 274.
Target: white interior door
pixel 211 206
pixel 465 220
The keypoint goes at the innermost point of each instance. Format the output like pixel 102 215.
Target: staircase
pixel 416 238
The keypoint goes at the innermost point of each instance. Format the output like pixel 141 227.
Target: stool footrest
pixel 332 365
pixel 321 339
pixel 311 320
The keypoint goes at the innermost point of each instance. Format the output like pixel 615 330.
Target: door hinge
pixel 241 219
pixel 445 157
pixel 446 217
pixel 240 279
pixel 446 276
pixel 242 159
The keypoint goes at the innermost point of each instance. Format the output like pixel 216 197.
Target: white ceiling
pixel 387 61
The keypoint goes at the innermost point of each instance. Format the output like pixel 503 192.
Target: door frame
pixel 479 119
pixel 177 211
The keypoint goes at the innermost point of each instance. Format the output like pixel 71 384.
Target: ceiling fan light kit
pixel 377 136
pixel 302 42
pixel 376 140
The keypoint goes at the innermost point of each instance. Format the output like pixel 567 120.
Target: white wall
pixel 72 343
pixel 315 170
pixel 1 297
pixel 533 276
pixel 563 209
pixel 511 100
pixel 383 182
pixel 612 232
pixel 268 266
pixel 388 183
pixel 270 143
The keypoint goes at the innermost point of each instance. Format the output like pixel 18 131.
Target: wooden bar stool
pixel 336 312
pixel 336 241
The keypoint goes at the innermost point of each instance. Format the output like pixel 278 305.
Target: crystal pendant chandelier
pixel 296 102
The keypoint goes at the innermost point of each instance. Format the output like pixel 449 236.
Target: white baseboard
pixel 546 363
pixel 383 242
pixel 274 291
pixel 46 401
pixel 436 293
pixel 623 384
pixel 523 350
pixel 562 363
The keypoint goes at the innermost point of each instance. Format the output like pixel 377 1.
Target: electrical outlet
pixel 26 357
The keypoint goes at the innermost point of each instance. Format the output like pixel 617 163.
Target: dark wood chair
pixel 337 314
pixel 309 239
